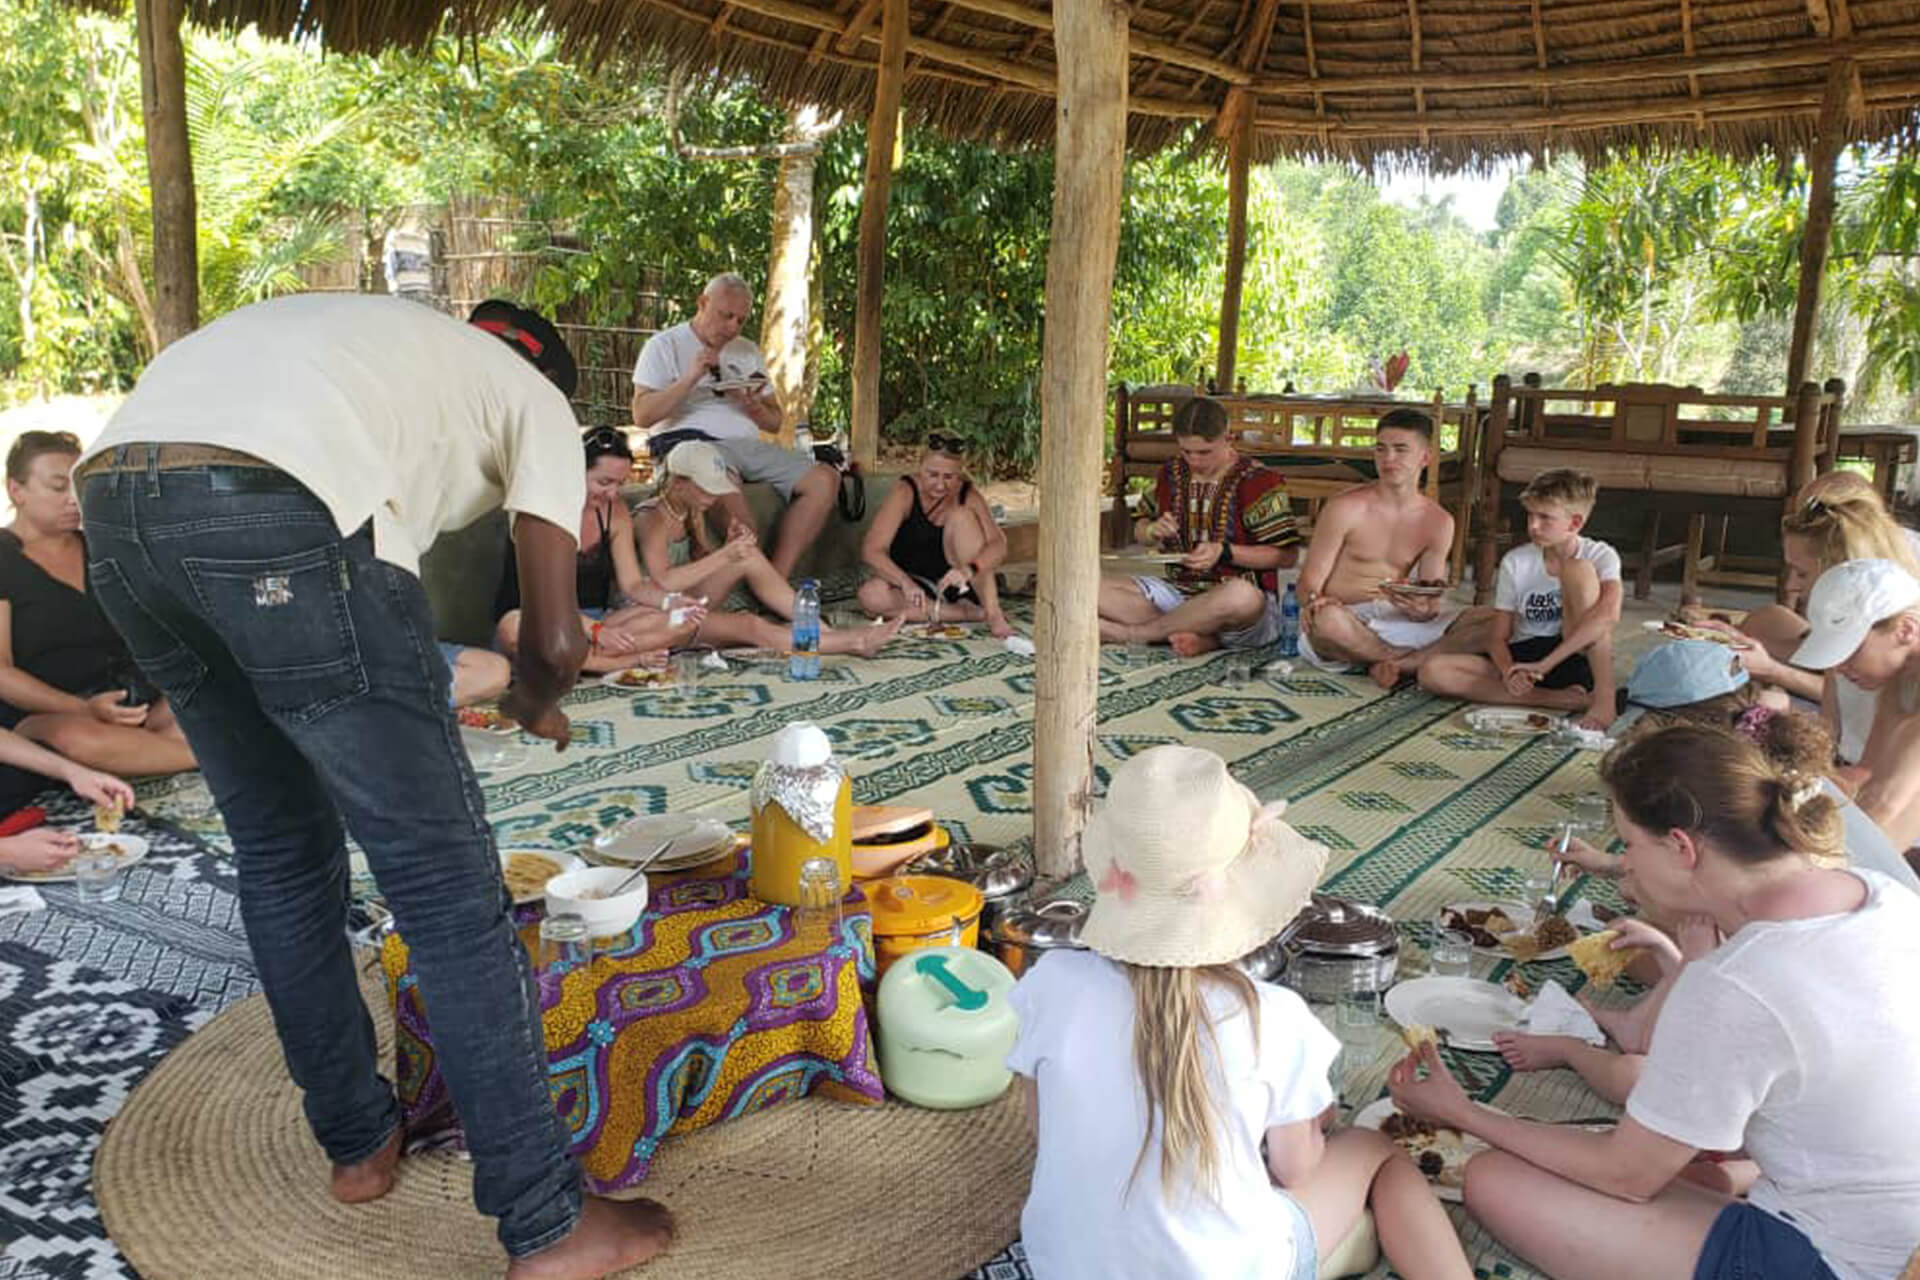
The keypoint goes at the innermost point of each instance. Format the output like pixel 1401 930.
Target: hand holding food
pixel 1165 528
pixel 107 792
pixel 1521 677
pixel 1437 1097
pixel 954 579
pixel 40 850
pixel 1205 556
pixel 1604 956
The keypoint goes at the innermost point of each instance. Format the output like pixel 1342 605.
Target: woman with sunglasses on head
pixel 1793 1040
pixel 67 680
pixel 934 546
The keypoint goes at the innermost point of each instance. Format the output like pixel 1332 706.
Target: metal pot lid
pixel 1052 924
pixel 1331 926
pixel 995 871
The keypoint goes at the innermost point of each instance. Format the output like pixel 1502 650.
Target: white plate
pixel 636 838
pixel 492 752
pixel 562 863
pixel 1411 589
pixel 1515 912
pixel 1468 1010
pixel 502 726
pixel 657 678
pixel 134 848
pixel 1511 722
pixel 1375 1114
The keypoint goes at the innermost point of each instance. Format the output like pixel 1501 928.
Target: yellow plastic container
pixel 912 913
pixel 780 846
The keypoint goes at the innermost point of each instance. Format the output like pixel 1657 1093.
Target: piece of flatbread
pixel 1413 1035
pixel 1598 960
pixel 106 818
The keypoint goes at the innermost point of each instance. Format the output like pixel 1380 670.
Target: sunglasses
pixel 952 445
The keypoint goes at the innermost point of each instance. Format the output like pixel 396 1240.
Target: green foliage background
pixel 1655 266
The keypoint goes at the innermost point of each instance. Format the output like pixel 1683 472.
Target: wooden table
pixel 710 1008
pixel 1887 448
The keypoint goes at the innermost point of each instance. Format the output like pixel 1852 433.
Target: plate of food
pixel 1484 922
pixel 1465 1010
pixel 527 871
pixel 1684 631
pixel 755 655
pixel 128 849
pixel 1416 586
pixel 1546 941
pixel 487 720
pixel 1510 722
pixel 1146 557
pixel 690 841
pixel 639 678
pixel 1439 1152
pixel 943 631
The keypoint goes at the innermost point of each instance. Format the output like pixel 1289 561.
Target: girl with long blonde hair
pixel 1181 1107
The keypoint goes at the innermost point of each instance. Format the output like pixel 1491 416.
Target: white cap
pixel 1846 603
pixel 703 464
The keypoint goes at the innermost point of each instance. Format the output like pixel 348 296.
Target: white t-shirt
pixel 1081 1219
pixel 667 356
pixel 1796 1040
pixel 387 410
pixel 1856 706
pixel 1526 590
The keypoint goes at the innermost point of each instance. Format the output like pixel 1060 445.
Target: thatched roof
pixel 1459 81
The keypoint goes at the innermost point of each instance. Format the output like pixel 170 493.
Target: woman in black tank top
pixel 933 543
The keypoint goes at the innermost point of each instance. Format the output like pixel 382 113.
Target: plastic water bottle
pixel 1290 623
pixel 804 663
pixel 803 439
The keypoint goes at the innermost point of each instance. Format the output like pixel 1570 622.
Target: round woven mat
pixel 210 1170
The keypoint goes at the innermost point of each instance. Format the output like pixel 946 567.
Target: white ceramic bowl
pixel 605 917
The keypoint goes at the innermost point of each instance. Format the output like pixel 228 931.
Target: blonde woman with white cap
pixel 1864 625
pixel 1156 1071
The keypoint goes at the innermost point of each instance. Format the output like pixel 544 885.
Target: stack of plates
pixel 691 842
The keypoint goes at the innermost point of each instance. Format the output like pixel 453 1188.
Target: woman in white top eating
pixel 1180 1106
pixel 1794 1041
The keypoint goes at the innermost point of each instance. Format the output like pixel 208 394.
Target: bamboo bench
pixel 1669 451
pixel 1321 445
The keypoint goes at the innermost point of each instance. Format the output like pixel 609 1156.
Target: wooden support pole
pixel 1239 158
pixel 1822 158
pixel 1089 156
pixel 163 95
pixel 870 287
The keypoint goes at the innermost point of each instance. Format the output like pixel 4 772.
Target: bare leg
pixel 884 600
pixel 1609 1074
pixel 1468 634
pixel 1194 627
pixel 964 539
pixel 1123 606
pixel 479 675
pixel 1338 635
pixel 1580 595
pixel 1361 1168
pixel 132 751
pixel 807 511
pixel 1476 679
pixel 1778 629
pixel 769 586
pixel 1575 1233
pixel 726 629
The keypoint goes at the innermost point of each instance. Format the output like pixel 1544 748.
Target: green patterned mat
pixel 1416 810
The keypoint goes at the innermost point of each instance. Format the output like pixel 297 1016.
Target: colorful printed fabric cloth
pixel 1248 505
pixel 713 1007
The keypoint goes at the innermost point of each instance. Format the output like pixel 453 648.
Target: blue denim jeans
pixel 306 675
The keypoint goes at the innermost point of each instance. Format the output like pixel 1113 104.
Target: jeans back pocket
pixel 288 622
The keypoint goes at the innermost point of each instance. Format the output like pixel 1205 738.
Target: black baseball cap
pixel 533 336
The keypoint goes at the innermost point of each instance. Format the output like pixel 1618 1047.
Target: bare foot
pixel 998 627
pixel 611 1236
pixel 867 641
pixel 1532 1053
pixel 1115 632
pixel 367 1179
pixel 1191 644
pixel 1385 673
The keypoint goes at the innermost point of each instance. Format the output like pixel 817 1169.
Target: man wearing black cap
pixel 255 514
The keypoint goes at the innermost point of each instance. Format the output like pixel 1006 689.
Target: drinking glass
pixel 1239 671
pixel 686 673
pixel 1356 1023
pixel 98 876
pixel 1139 654
pixel 817 919
pixel 565 944
pixel 1593 818
pixel 1452 954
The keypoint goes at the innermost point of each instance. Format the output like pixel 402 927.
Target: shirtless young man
pixel 1373 533
pixel 1865 626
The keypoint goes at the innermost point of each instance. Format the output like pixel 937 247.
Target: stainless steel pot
pixel 1341 948
pixel 1003 876
pixel 1267 962
pixel 1022 935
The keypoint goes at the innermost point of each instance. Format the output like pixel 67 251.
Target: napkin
pixel 1585 739
pixel 1555 1013
pixel 20 898
pixel 1581 916
pixel 714 662
pixel 1020 645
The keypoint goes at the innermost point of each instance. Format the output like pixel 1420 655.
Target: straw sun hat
pixel 1189 868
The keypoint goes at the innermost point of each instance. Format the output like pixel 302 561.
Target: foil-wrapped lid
pixel 802 777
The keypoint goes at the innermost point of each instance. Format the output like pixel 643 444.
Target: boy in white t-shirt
pixel 1555 606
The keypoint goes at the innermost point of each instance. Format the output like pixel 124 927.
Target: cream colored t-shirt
pixel 387 410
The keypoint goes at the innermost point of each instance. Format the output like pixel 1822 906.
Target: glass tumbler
pixel 1239 671
pixel 817 920
pixel 99 876
pixel 686 674
pixel 565 944
pixel 1452 955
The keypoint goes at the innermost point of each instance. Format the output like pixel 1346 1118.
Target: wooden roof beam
pixel 857 26
pixel 1250 57
pixel 1882 46
pixel 1419 93
pixel 1831 18
pixel 1139 44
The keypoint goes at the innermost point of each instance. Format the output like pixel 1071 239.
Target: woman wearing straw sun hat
pixel 1155 1070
